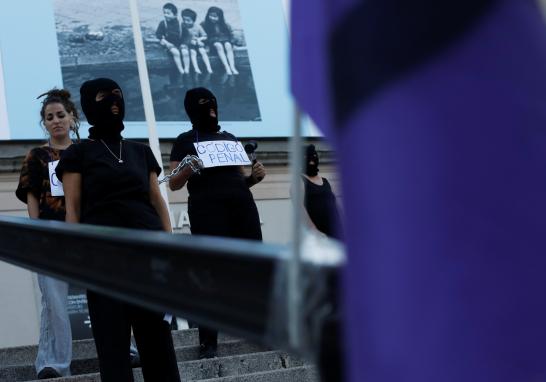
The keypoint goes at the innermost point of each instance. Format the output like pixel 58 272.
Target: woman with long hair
pixel 40 189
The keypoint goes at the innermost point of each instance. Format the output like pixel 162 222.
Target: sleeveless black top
pixel 320 203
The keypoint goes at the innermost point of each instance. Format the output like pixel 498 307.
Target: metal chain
pixel 193 161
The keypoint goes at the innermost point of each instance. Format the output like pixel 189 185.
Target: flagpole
pixel 293 288
pixel 149 113
pixel 294 298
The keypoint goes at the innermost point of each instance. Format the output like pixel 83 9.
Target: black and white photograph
pixel 95 39
pixel 187 44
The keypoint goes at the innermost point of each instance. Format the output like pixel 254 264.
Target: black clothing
pixel 213 183
pixel 219 204
pixel 111 324
pixel 320 203
pixel 106 125
pixel 235 217
pixel 35 178
pixel 112 193
pixel 118 194
pixel 208 342
pixel 198 103
pixel 170 31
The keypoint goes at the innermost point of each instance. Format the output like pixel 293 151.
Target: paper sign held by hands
pixel 222 153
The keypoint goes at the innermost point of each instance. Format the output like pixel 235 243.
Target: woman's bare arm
pixel 179 180
pixel 159 203
pixel 304 214
pixel 33 206
pixel 72 185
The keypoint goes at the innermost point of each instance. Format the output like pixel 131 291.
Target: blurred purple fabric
pixel 444 187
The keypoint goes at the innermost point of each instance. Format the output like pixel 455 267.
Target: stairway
pixel 237 361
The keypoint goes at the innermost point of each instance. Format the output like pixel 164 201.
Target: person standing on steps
pixel 110 181
pixel 319 200
pixel 40 189
pixel 321 213
pixel 220 202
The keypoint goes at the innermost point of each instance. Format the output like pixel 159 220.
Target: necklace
pixel 57 146
pixel 114 155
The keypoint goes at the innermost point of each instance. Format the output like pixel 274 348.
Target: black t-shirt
pixel 215 182
pixel 320 203
pixel 113 193
pixel 170 31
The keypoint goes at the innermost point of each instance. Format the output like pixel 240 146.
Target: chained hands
pixel 182 171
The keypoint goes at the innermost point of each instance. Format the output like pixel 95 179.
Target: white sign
pixel 56 185
pixel 221 153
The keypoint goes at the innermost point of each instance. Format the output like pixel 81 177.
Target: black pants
pixel 111 321
pixel 235 218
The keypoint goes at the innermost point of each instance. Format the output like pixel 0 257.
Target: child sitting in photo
pixel 193 37
pixel 220 36
pixel 169 34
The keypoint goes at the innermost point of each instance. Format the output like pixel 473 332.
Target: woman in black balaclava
pixel 321 208
pixel 319 200
pixel 113 182
pixel 220 202
pixel 98 97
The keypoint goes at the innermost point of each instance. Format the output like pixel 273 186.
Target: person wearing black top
pixel 220 202
pixel 323 215
pixel 319 200
pixel 113 182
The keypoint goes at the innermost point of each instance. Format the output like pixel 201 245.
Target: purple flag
pixel 438 114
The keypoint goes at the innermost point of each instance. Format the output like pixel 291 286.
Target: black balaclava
pixel 199 112
pixel 105 125
pixel 311 156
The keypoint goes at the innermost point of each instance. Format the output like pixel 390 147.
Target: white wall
pixel 19 317
pixel 4 127
pixel 19 293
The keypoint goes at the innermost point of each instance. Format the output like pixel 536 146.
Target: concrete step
pixel 269 366
pixel 85 365
pixel 296 374
pixel 25 355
